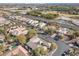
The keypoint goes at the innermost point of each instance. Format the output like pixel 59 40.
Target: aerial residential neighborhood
pixel 39 29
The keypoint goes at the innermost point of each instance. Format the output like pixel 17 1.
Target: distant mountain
pixel 65 4
pixel 37 4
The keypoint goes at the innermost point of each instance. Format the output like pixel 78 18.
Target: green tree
pixel 76 34
pixel 53 46
pixel 50 31
pixel 22 39
pixel 4 31
pixel 40 51
pixel 50 16
pixel 2 49
pixel 31 33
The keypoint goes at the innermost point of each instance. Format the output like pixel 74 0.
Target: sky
pixel 39 1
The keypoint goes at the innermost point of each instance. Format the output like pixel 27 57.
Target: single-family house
pixel 18 30
pixel 18 51
pixel 36 42
pixel 42 24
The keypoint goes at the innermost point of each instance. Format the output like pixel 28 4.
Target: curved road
pixel 61 45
